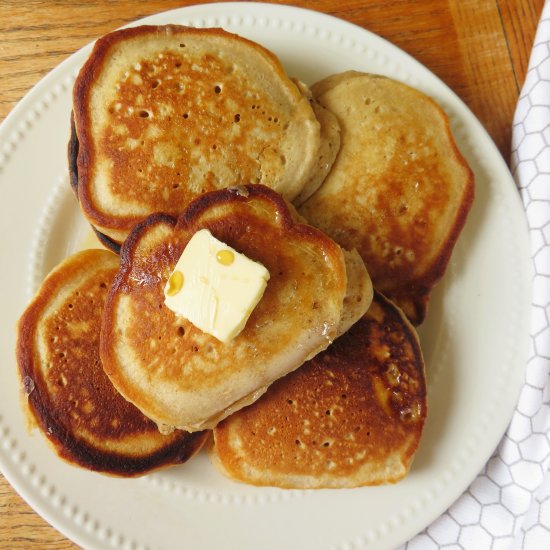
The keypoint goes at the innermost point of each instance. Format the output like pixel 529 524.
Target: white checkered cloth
pixel 508 504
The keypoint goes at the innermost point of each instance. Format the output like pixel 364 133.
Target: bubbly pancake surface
pixel 67 394
pixel 351 416
pixel 183 377
pixel 164 114
pixel 399 190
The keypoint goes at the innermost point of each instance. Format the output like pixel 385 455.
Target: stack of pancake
pixel 175 130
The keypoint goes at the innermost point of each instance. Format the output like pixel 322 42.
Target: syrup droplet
pixel 175 283
pixel 225 257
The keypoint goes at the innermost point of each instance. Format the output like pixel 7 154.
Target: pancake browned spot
pixel 67 394
pixel 351 416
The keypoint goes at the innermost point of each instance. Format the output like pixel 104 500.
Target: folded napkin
pixel 508 504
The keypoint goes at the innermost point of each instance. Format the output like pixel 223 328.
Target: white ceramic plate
pixel 475 339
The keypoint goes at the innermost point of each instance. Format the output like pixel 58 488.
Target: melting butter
pixel 175 283
pixel 215 287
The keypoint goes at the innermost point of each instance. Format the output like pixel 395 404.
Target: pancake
pixel 399 191
pixel 67 395
pixel 328 148
pixel 351 416
pixel 72 157
pixel 163 114
pixel 182 377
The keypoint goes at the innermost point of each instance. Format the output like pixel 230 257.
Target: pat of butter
pixel 215 287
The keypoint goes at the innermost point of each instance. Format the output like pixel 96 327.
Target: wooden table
pixel 480 48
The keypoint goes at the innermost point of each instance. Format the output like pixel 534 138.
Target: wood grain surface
pixel 480 48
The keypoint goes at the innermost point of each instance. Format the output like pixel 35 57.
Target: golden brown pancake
pixel 351 416
pixel 66 393
pixel 180 376
pixel 399 190
pixel 163 114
